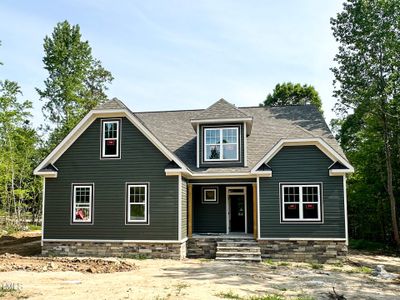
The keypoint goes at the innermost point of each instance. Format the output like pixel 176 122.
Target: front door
pixel 237 209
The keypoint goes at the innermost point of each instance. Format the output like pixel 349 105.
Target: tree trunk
pixel 392 199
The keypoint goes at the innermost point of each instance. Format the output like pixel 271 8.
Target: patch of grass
pixel 180 286
pixel 281 288
pixel 34 227
pixel 267 297
pixel 9 229
pixel 232 295
pixel 363 269
pixel 305 297
pixel 229 295
pixel 283 264
pixel 315 266
pixel 268 262
pixel 7 289
pixel 338 264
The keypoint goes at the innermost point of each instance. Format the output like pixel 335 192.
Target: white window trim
pixel 300 203
pixel 77 221
pixel 210 201
pixel 220 144
pixel 103 139
pixel 128 204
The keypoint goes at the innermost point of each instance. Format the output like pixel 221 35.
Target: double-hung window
pixel 137 203
pixel 221 144
pixel 110 139
pixel 301 202
pixel 82 202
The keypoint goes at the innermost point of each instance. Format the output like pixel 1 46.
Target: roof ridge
pixel 221 108
pixel 165 111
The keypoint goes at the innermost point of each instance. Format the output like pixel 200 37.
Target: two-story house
pixel 226 182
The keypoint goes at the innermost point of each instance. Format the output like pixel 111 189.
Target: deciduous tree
pixel 77 81
pixel 367 80
pixel 288 93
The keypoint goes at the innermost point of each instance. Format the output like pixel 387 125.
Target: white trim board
pixel 318 142
pixel 179 206
pixel 258 209
pixel 346 224
pixel 86 122
pixel 118 241
pixel 43 199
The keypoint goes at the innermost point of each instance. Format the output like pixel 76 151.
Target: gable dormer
pixel 222 130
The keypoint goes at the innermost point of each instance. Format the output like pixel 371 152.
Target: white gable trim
pixel 86 122
pixel 318 142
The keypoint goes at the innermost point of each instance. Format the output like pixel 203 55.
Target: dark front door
pixel 237 213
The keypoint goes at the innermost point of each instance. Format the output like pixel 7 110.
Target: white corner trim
pixel 258 209
pixel 245 145
pixel 318 142
pixel 198 146
pixel 118 241
pixel 43 199
pixel 87 121
pixel 179 206
pixel 346 224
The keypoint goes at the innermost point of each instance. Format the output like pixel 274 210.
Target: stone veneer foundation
pixel 121 249
pixel 202 247
pixel 303 251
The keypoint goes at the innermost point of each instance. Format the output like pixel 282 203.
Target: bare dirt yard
pixel 36 277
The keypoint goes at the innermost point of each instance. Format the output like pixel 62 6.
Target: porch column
pixel 255 210
pixel 190 210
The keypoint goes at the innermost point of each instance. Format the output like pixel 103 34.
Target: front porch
pixel 217 209
pixel 222 221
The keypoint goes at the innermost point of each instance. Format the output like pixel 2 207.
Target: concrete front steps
pixel 238 250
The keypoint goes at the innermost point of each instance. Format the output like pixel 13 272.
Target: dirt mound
pixel 12 262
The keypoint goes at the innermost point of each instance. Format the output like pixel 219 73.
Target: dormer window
pixel 221 144
pixel 110 145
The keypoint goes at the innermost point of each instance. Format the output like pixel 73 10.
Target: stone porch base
pixel 300 251
pixel 121 249
pixel 303 251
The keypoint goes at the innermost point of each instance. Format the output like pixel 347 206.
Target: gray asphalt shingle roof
pixel 114 103
pixel 221 109
pixel 270 124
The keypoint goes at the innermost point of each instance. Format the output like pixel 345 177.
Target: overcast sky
pixel 167 55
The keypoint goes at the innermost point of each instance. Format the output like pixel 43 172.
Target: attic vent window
pixel 221 144
pixel 110 139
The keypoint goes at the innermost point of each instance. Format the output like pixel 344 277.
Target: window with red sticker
pixel 301 202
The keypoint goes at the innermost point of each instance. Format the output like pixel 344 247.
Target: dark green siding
pixel 211 218
pixel 141 162
pixel 207 164
pixel 302 164
pixel 184 207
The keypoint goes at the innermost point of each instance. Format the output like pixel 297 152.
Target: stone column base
pixel 120 249
pixel 303 251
